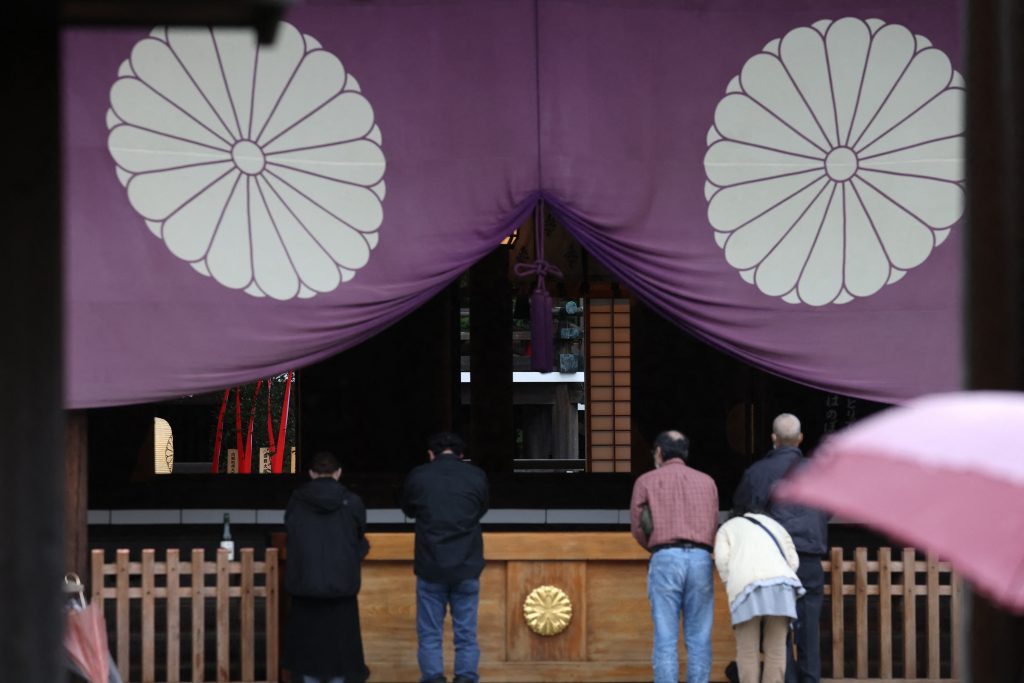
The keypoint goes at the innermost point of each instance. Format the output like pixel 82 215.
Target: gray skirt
pixel 767 599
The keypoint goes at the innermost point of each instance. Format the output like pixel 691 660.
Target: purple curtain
pixel 689 163
pixel 787 189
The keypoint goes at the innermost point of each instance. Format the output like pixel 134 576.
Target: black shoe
pixel 463 679
pixel 437 679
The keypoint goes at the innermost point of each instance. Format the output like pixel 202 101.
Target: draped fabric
pixel 782 179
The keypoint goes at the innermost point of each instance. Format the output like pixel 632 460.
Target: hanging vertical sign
pixel 232 464
pixel 264 462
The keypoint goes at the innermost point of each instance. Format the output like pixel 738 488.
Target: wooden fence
pixel 885 615
pixel 895 619
pixel 139 590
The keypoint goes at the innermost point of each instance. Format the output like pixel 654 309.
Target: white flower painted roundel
pixel 835 164
pixel 260 165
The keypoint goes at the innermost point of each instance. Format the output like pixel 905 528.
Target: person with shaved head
pixel 809 531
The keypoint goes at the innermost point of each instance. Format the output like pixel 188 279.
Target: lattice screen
pixel 608 385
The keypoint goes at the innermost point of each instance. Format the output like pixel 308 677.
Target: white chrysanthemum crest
pixel 259 165
pixel 835 164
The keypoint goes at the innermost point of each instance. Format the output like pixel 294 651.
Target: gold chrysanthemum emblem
pixel 548 610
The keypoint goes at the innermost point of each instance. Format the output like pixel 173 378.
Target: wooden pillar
pixel 565 423
pixel 537 429
pixel 994 294
pixel 491 442
pixel 446 354
pixel 76 496
pixel 31 420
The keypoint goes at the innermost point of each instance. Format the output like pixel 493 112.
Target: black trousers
pixel 323 640
pixel 807 668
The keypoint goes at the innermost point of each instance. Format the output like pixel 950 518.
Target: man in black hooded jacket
pixel 326 526
pixel 808 528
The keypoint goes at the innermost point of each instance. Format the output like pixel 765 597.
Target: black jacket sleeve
pixel 485 494
pixel 359 516
pixel 408 502
pixel 742 499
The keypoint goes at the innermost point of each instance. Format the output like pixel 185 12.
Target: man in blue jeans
pixel 683 506
pixel 447 496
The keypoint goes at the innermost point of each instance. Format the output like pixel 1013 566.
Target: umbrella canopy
pixel 944 473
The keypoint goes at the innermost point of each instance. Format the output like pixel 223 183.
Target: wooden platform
pixel 604 574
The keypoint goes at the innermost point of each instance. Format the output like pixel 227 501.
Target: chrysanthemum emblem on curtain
pixel 835 164
pixel 260 165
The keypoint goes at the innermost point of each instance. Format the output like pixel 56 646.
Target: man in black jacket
pixel 809 530
pixel 447 496
pixel 326 526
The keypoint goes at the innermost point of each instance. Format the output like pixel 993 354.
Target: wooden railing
pixel 159 632
pixel 227 596
pixel 886 596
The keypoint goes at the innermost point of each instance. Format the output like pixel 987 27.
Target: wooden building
pixel 727 416
pixel 561 451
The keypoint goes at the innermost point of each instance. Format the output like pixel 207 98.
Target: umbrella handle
pixel 73 586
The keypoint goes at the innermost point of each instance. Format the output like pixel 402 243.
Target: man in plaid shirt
pixel 683 506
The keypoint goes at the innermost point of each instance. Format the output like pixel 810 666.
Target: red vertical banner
pixel 238 421
pixel 270 420
pixel 220 432
pixel 246 465
pixel 278 459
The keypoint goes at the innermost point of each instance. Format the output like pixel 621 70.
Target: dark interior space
pixel 376 403
pixel 723 405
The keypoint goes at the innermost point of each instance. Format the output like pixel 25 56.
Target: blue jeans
pixel 680 580
pixel 432 600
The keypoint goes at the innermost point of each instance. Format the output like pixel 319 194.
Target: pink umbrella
pixel 944 473
pixel 85 640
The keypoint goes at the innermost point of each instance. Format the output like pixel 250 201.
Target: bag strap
pixel 770 535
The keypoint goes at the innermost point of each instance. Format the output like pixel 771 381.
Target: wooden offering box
pixel 603 574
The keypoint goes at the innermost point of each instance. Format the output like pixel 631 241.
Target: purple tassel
pixel 541 332
pixel 542 335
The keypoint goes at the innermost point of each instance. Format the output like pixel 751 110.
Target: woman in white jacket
pixel 757 562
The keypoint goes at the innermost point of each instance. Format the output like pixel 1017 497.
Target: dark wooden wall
pixel 491 436
pixel 376 404
pixel 723 405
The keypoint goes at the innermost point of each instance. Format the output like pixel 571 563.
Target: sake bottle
pixel 226 542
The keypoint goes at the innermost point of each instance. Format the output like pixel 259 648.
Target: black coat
pixel 326 526
pixel 808 527
pixel 447 497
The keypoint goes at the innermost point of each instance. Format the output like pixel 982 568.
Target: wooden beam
pixel 994 311
pixel 885 613
pixel 31 421
pixel 261 14
pixel 76 495
pixel 491 442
